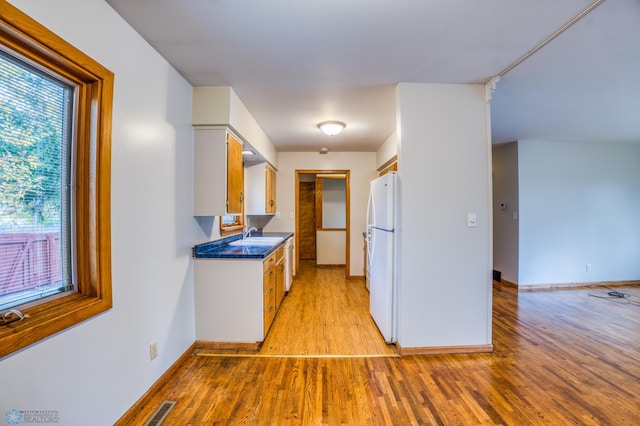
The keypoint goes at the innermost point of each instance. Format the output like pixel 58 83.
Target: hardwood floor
pixel 325 314
pixel 561 357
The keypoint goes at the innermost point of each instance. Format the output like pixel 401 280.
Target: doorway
pixel 310 223
pixel 307 219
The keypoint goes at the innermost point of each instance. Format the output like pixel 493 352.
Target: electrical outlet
pixel 153 350
pixel 588 267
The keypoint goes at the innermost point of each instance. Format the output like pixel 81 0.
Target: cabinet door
pixel 234 176
pixel 269 300
pixel 270 190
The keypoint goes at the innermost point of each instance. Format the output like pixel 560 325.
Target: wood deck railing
pixel 29 260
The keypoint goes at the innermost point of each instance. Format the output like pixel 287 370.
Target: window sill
pixel 47 319
pixel 231 230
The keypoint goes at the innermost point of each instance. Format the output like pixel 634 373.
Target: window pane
pixel 35 123
pixel 229 220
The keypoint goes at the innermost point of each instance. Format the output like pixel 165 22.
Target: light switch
pixel 471 220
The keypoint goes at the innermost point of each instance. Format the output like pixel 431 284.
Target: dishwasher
pixel 288 250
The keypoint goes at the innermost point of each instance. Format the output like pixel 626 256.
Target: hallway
pixel 325 314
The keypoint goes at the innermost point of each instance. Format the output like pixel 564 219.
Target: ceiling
pixel 295 63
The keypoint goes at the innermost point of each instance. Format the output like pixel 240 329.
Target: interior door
pixel 307 220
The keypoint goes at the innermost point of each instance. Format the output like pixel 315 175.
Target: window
pixel 227 222
pixel 35 136
pixel 55 160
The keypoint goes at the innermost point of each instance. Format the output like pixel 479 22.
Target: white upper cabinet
pixel 260 188
pixel 217 173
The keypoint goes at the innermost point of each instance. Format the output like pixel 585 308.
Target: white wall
pixel 387 150
pixel 445 267
pixel 95 371
pixel 219 105
pixel 505 219
pixel 579 205
pixel 329 246
pixel 363 170
pixel 334 203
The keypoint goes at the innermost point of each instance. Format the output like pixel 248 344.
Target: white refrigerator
pixel 382 214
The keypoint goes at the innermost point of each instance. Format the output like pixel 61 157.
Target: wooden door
pixel 307 220
pixel 234 176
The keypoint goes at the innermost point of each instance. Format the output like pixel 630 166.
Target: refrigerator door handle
pixel 371 242
pixel 371 211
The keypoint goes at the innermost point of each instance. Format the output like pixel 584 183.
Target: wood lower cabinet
pixel 269 283
pixel 236 300
pixel 229 300
pixel 274 286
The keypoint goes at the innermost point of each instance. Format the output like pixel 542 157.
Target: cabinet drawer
pixel 269 279
pixel 269 297
pixel 279 254
pixel 269 314
pixel 269 262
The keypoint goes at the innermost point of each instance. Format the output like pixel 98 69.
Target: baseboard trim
pixel 567 286
pixel 227 346
pixel 444 350
pixel 130 414
pixel 356 277
pixel 506 283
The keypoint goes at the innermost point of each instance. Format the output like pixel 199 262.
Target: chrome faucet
pixel 247 231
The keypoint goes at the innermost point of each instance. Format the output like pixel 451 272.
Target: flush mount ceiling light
pixel 248 153
pixel 331 128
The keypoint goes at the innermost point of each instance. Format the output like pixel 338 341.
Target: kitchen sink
pixel 257 241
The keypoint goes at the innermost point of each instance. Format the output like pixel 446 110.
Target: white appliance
pixel 382 214
pixel 289 273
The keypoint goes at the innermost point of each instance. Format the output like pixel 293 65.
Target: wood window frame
pixel 91 143
pixel 226 230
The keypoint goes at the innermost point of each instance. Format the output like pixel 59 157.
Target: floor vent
pixel 161 413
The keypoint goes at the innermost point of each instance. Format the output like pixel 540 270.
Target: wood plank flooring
pixel 324 314
pixel 561 357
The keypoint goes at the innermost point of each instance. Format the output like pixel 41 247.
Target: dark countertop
pixel 220 249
